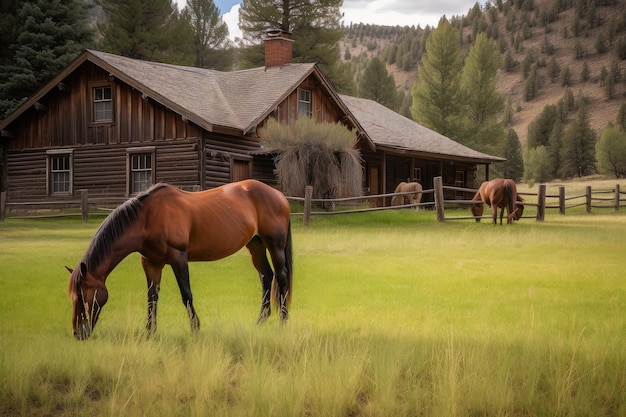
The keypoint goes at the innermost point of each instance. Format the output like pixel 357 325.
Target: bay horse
pixel 498 193
pixel 405 187
pixel 168 226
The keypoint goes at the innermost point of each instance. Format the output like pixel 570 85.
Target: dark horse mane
pixel 114 226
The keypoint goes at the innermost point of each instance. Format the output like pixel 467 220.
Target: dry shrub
pixel 322 155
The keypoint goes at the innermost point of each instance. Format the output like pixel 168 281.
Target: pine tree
pixel 513 167
pixel 378 85
pixel 436 93
pixel 52 34
pixel 141 29
pixel 539 129
pixel 537 165
pixel 314 26
pixel 578 147
pixel 554 145
pixel 611 152
pixel 483 102
pixel 210 35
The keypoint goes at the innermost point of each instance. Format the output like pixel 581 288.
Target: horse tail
pixel 289 272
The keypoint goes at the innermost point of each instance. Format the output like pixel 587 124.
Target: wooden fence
pixel 599 199
pixel 591 199
pixel 82 207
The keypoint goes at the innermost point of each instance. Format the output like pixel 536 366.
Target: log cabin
pixel 113 126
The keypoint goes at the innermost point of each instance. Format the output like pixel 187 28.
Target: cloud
pixel 379 12
pixel 231 18
pixel 402 12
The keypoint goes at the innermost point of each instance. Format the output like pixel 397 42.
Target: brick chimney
pixel 278 48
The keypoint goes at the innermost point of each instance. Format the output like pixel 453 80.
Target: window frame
pixel 92 103
pixel 51 155
pixel 459 181
pixel 131 153
pixel 305 107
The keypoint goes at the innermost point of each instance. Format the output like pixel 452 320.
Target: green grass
pixel 393 314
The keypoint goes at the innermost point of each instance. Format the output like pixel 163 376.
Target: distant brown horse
pixel 169 226
pixel 498 193
pixel 405 187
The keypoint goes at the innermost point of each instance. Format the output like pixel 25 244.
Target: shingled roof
pixel 388 129
pixel 209 97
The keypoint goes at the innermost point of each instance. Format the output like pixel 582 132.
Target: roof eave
pixel 441 157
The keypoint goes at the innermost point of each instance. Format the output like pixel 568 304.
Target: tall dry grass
pixel 393 314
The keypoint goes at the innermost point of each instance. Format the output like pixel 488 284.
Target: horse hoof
pixel 263 316
pixel 195 324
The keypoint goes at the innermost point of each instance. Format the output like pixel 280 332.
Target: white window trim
pixel 130 152
pixel 50 153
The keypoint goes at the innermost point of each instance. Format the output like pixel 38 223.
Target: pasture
pixel 393 314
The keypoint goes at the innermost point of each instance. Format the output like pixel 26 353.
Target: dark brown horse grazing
pixel 169 226
pixel 498 193
pixel 405 187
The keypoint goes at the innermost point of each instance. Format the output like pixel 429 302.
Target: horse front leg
pixel 153 277
pixel 181 271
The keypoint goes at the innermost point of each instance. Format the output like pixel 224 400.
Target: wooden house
pixel 114 125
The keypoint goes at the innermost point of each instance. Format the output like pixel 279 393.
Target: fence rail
pixel 599 199
pixel 539 200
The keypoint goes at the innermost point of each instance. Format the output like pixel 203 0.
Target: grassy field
pixel 393 315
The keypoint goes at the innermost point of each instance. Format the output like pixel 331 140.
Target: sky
pixel 379 12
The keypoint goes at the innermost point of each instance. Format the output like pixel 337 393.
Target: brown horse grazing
pixel 498 193
pixel 169 226
pixel 405 187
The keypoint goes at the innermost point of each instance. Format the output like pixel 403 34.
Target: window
pixel 417 175
pixel 459 181
pixel 102 104
pixel 59 172
pixel 304 102
pixel 140 169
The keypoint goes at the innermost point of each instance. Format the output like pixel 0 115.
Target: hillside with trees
pixel 559 55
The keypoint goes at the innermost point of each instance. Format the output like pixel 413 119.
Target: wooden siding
pixel 26 176
pixel 323 108
pixel 66 118
pixel 99 150
pixel 219 150
pixel 102 170
pixel 263 169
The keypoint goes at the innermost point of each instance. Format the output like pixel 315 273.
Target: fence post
pixel 438 184
pixel 588 198
pixel 562 199
pixel 84 205
pixel 541 203
pixel 3 204
pixel 308 196
pixel 617 192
